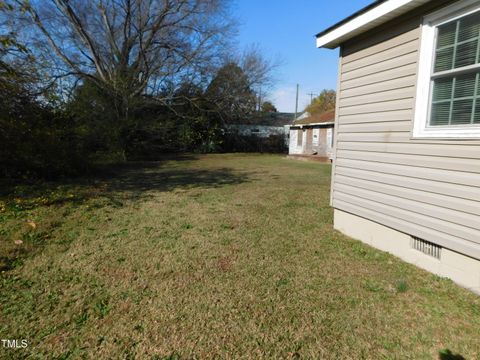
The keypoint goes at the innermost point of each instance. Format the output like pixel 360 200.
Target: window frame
pixel 423 103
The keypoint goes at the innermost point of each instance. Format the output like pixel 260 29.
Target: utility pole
pixel 296 103
pixel 311 96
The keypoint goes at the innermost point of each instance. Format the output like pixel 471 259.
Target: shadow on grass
pixel 135 184
pixel 448 355
pixel 8 261
pixel 127 181
pixel 32 187
pixel 131 181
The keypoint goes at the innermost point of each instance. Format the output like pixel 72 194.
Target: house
pixel 406 163
pixel 264 132
pixel 312 135
pixel 263 125
pixel 302 116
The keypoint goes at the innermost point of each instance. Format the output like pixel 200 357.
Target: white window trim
pixel 424 82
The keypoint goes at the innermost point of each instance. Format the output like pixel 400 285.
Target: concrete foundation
pixel 462 269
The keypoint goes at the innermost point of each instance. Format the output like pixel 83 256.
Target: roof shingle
pixel 325 117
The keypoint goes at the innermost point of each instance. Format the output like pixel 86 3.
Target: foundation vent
pixel 426 247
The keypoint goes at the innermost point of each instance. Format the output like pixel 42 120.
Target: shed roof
pixel 375 14
pixel 325 117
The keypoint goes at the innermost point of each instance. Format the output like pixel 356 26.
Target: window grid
pixel 452 94
pixel 452 73
pixel 452 99
pixel 454 58
pixel 435 74
pixel 456 44
pixel 477 58
pixel 475 92
pixel 455 50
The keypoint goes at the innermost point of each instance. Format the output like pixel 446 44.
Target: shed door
pixel 299 137
pixel 329 138
pixel 316 137
pixel 309 140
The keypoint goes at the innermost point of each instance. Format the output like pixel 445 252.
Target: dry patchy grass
pixel 226 256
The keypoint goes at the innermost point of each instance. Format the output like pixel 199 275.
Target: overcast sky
pixel 286 29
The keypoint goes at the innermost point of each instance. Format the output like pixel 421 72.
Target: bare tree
pixel 260 71
pixel 231 93
pixel 127 47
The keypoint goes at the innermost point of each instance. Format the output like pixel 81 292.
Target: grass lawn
pixel 227 256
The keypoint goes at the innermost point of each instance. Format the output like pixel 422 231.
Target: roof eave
pixel 314 124
pixel 373 15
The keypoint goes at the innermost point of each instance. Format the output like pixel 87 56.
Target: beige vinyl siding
pixel 371 48
pixel 460 151
pixel 426 188
pixel 382 116
pixel 394 126
pixel 380 67
pixel 379 106
pixel 404 49
pixel 455 190
pixel 379 77
pixel 392 84
pixel 440 175
pixel 386 95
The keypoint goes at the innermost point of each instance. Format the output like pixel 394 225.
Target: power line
pixel 311 96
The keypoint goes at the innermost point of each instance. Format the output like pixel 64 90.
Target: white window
pixel 448 88
pixel 316 137
pixel 329 138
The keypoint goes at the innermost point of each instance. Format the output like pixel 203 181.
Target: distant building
pixel 261 132
pixel 312 135
pixel 263 125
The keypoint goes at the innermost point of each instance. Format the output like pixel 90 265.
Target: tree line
pixel 86 81
pixel 323 102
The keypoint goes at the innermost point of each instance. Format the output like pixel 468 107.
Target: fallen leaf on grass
pixel 18 242
pixel 32 224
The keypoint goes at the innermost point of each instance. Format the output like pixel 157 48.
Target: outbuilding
pixel 406 160
pixel 312 136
